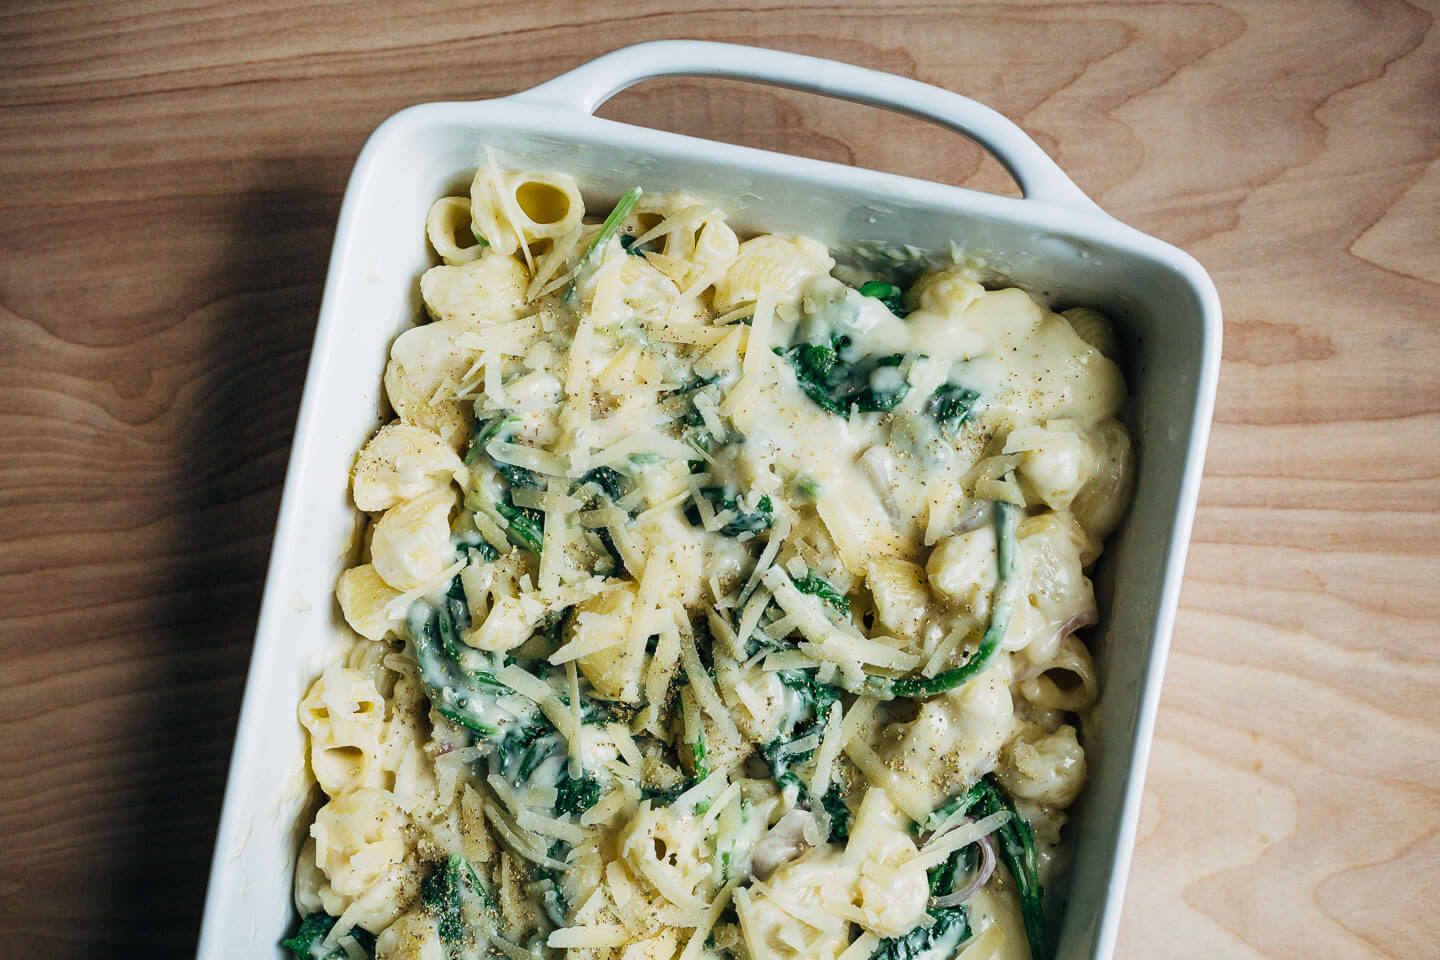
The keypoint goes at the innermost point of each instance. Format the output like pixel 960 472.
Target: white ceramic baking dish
pixel 1055 241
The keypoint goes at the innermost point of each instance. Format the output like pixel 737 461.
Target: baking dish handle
pixel 587 87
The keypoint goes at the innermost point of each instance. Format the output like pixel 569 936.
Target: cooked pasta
pixel 710 607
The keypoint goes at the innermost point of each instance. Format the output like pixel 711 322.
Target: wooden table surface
pixel 169 179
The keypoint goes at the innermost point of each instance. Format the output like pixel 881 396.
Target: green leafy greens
pixel 951 406
pixel 1016 849
pixel 752 521
pixel 938 941
pixel 575 795
pixel 817 586
pixel 456 897
pixel 814 699
pixel 1007 518
pixel 837 380
pixel 305 943
pixel 612 223
pixel 457 678
pixel 887 293
pixel 524 526
pixel 1017 852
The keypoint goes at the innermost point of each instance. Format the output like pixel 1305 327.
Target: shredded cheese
pixel 589 935
pixel 830 745
pixel 397 607
pixel 938 850
pixel 862 947
pixel 659 674
pixel 755 944
pixel 704 688
pixel 856 719
pixel 522 681
pixel 510 836
pixel 549 827
pixel 696 944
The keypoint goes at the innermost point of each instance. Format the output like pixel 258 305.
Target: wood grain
pixel 169 177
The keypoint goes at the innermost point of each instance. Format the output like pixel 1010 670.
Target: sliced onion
pixel 982 874
pixel 785 842
pixel 973 519
pixel 1086 619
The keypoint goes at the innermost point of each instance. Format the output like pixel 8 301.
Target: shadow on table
pixel 256 334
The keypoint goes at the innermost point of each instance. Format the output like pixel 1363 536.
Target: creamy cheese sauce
pixel 711 607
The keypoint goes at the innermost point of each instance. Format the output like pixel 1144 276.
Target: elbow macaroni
pixel 687 612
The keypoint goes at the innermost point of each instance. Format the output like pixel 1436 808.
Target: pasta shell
pixel 343 713
pixel 486 291
pixel 901 598
pixel 415 936
pixel 785 264
pixel 1072 664
pixel 364 598
pixel 412 541
pixel 402 462
pixel 716 247
pixel 450 231
pixel 1057 589
pixel 946 292
pixel 426 367
pixel 1056 460
pixel 954 738
pixel 1101 503
pixel 515 208
pixel 962 569
pixel 361 848
pixel 510 622
pixel 1043 767
pixel 645 291
pixel 1094 328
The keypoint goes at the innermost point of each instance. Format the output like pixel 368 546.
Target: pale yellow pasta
pixel 1101 502
pixel 309 881
pixel 668 853
pixel 450 231
pixel 603 626
pixel 1044 767
pixel 426 369
pixel 361 849
pixel 716 247
pixel 709 605
pixel 402 462
pixel 344 715
pixel 756 699
pixel 521 208
pixel 1056 460
pixel 891 887
pixel 962 567
pixel 509 623
pixel 1068 681
pixel 415 936
pixel 783 264
pixel 366 600
pixel 953 739
pixel 412 540
pixel 902 599
pixel 1094 328
pixel 1059 597
pixel 483 291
